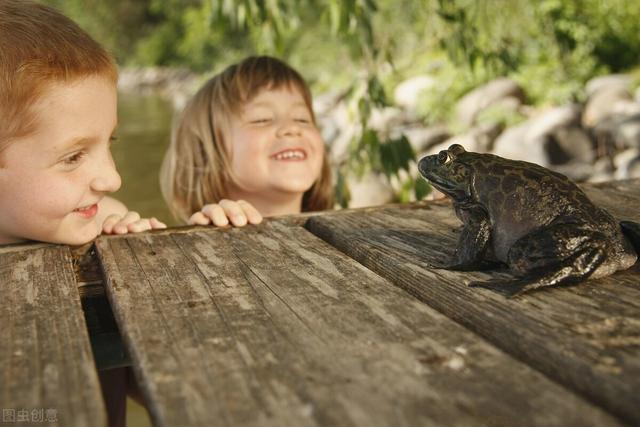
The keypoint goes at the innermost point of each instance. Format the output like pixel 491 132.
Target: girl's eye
pixel 260 120
pixel 303 120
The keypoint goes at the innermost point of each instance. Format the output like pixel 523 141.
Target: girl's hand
pixel 238 213
pixel 130 222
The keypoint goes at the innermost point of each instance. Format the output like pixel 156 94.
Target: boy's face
pixel 275 146
pixel 52 180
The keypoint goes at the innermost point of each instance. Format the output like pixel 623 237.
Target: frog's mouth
pixel 427 166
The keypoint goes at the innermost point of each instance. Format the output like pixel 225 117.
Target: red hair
pixel 39 46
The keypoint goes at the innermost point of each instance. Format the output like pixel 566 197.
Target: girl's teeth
pixel 289 155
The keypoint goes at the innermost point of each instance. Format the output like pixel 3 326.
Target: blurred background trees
pixel 363 48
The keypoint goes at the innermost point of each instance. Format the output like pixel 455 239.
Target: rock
pixel 608 82
pixel 548 121
pixel 574 143
pixel 600 106
pixel 407 93
pixel 177 85
pixel 482 97
pixel 575 170
pixel 534 140
pixel 514 144
pixel 626 132
pixel 422 138
pixel 627 164
pixel 370 190
pixel 384 119
pixel 603 170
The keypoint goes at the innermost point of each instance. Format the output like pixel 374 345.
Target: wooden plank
pixel 586 337
pixel 271 326
pixel 106 343
pixel 46 367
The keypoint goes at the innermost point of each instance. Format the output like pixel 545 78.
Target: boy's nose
pixel 106 179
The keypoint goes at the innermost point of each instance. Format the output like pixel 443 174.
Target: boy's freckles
pixel 42 188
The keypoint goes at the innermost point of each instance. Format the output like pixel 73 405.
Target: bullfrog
pixel 534 220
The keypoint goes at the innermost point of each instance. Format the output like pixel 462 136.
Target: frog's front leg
pixel 557 255
pixel 473 242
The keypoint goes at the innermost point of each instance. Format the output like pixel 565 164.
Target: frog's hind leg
pixel 559 255
pixel 580 267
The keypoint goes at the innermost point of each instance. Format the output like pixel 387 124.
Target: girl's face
pixel 52 180
pixel 276 149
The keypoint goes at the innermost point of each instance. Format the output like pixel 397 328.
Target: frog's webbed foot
pixel 580 267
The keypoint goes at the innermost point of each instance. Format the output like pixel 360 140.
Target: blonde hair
pixel 40 46
pixel 196 168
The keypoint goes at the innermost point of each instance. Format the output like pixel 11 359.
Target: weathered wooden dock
pixel 316 320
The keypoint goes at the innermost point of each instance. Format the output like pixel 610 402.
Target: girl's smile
pixel 276 150
pixel 290 154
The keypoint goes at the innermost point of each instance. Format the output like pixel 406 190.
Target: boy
pixel 58 115
pixel 57 118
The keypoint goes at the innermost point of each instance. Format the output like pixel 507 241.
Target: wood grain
pixel 271 326
pixel 586 337
pixel 45 357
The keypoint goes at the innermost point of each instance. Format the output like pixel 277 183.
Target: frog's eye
pixel 443 157
pixel 456 149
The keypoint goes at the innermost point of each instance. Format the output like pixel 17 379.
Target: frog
pixel 535 221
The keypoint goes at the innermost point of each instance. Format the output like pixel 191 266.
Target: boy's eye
pixel 74 158
pixel 304 120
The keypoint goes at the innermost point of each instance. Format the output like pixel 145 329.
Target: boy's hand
pixel 129 223
pixel 238 213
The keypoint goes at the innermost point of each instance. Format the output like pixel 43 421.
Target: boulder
pixel 421 138
pixel 572 143
pixel 608 82
pixel 626 132
pixel 603 170
pixel 370 190
pixel 627 164
pixel 470 105
pixel 575 170
pixel 407 93
pixel 539 139
pixel 602 105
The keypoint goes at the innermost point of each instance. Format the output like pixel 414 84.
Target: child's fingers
pixel 252 214
pixel 234 212
pixel 122 226
pixel 142 224
pixel 109 222
pixel 216 214
pixel 199 218
pixel 155 224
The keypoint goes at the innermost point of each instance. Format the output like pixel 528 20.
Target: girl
pixel 246 147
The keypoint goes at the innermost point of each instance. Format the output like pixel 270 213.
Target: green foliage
pixel 364 47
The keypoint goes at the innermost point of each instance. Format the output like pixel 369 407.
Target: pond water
pixel 143 135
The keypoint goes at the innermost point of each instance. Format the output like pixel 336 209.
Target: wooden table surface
pixel 322 320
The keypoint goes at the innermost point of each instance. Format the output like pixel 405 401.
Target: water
pixel 144 126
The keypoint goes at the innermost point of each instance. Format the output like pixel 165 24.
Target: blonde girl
pixel 246 147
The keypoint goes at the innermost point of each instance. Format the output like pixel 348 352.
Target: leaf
pixel 342 190
pixel 421 188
